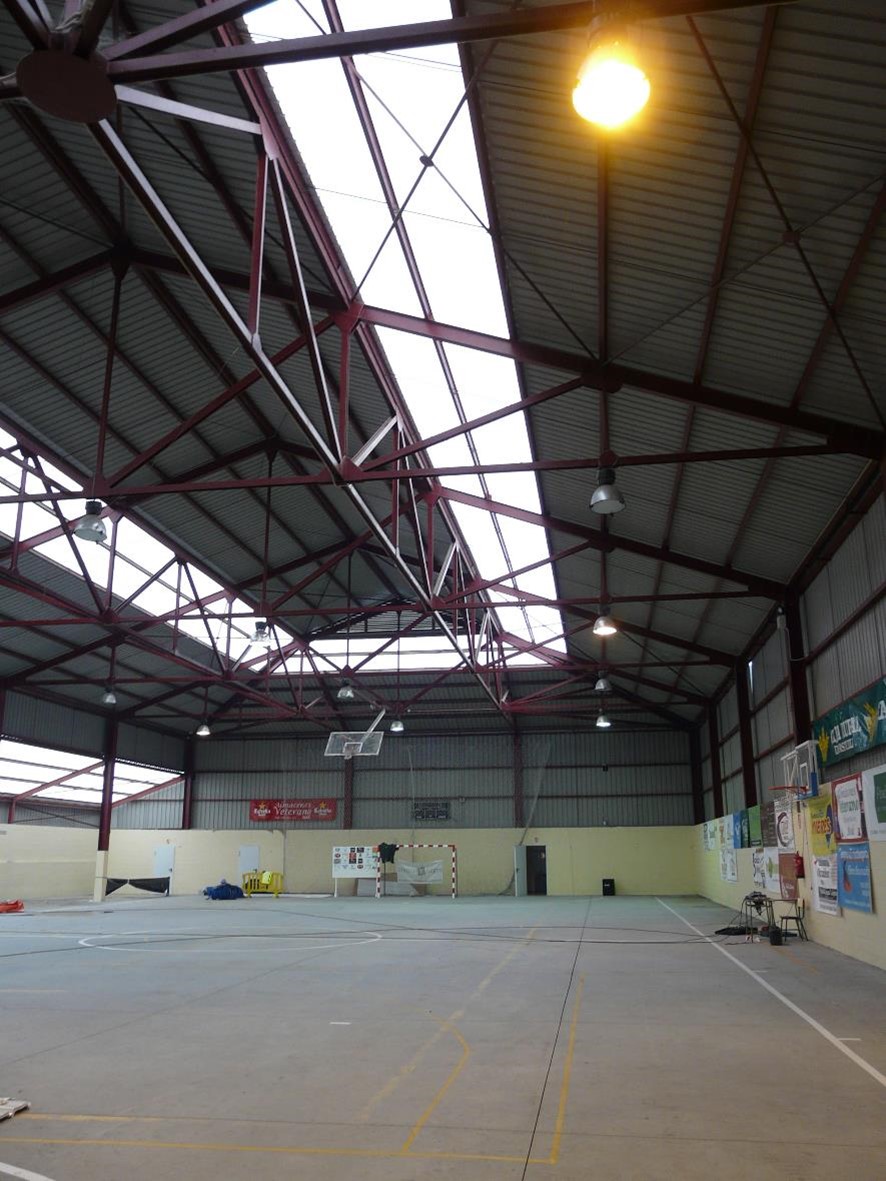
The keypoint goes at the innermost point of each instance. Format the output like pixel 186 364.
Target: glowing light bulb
pixel 611 87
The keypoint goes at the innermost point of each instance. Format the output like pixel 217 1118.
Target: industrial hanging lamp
pixel 397 726
pixel 203 730
pixel 345 693
pixel 604 624
pixel 603 723
pixel 611 87
pixel 607 498
pixel 91 527
pixel 603 685
pixel 109 697
pixel 261 636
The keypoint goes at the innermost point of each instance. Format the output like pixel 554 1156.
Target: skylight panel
pixel 413 98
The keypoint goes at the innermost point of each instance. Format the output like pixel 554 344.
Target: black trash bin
pixel 609 886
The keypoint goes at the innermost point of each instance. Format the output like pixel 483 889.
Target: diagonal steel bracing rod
pixel 125 164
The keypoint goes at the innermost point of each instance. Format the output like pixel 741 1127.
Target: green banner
pixel 755 830
pixel 855 726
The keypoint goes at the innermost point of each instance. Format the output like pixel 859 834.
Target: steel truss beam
pixel 483 27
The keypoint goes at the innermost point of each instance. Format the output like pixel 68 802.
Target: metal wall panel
pixel 221 799
pixel 391 814
pixel 733 794
pixel 423 783
pixel 475 775
pixel 589 747
pixel 151 748
pixel 769 667
pixel 52 815
pixel 727 712
pixel 47 724
pixel 161 809
pixel 263 755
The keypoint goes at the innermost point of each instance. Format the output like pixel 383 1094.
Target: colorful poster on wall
pixel 873 787
pixel 787 872
pixel 854 878
pixel 767 824
pixel 758 864
pixel 772 881
pixel 736 830
pixel 784 822
pixel 292 810
pixel 848 817
pixel 824 885
pixel 354 861
pixel 745 829
pixel 710 836
pixel 823 833
pixel 728 864
pixel 855 726
pixel 755 830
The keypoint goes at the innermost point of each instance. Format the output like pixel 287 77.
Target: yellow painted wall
pixel 37 861
pixel 862 936
pixel 642 860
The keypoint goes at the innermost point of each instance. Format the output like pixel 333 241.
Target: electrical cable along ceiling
pixel 385 368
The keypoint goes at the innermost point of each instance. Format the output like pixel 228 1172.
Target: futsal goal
pixel 419 877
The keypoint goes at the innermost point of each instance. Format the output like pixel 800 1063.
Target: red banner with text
pixel 291 810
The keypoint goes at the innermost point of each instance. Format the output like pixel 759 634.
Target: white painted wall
pixel 38 861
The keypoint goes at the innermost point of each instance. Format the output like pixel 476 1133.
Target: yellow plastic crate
pixel 263 882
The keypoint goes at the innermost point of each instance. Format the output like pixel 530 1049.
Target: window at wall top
pixel 139 558
pixel 412 96
pixel 24 766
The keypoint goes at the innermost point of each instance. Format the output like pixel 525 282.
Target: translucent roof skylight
pixel 412 98
pixel 145 570
pixel 41 773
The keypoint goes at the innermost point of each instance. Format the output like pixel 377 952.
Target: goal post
pixel 453 852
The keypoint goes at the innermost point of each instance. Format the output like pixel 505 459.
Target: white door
pixel 248 860
pixel 519 871
pixel 164 861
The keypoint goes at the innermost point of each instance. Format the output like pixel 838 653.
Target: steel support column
pixel 797 672
pixel 519 807
pixel 347 811
pixel 696 777
pixel 109 751
pixel 745 736
pixel 716 775
pixel 188 786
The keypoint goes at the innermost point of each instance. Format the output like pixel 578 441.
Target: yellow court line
pixel 279 1150
pixel 796 959
pixel 404 1073
pixel 450 1079
pixel 567 1076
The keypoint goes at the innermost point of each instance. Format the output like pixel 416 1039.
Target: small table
pixel 756 906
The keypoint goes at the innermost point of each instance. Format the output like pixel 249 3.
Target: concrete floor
pixel 486 1039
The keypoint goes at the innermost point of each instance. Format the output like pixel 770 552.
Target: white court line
pixel 22 1174
pixel 816 1025
pixel 186 937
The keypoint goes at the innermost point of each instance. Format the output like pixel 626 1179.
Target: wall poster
pixel 768 831
pixel 857 725
pixel 787 872
pixel 736 830
pixel 770 870
pixel 824 885
pixel 293 810
pixel 728 865
pixel 784 822
pixel 854 878
pixel 873 785
pixel 755 830
pixel 758 862
pixel 354 861
pixel 821 823
pixel 710 835
pixel 847 809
